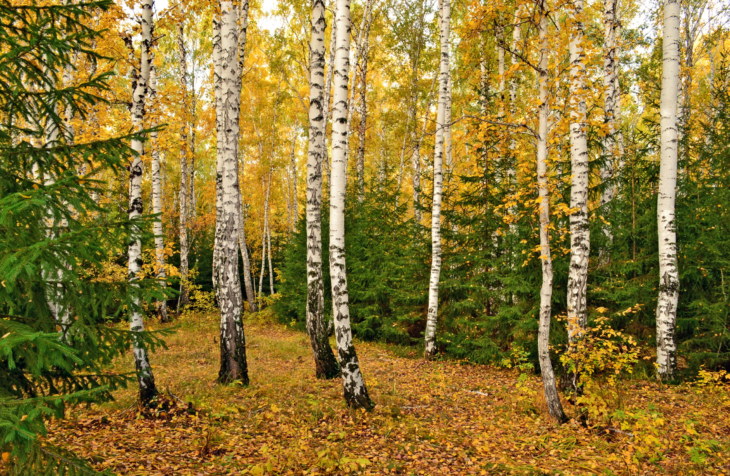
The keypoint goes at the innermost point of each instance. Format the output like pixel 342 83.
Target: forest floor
pixel 431 418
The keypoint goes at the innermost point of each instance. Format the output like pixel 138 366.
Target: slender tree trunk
pixel 613 140
pixel 183 194
pixel 440 150
pixel 666 312
pixel 324 359
pixel 327 99
pixel 264 235
pixel 145 378
pixel 160 271
pixel 247 278
pixel 579 231
pixel 360 86
pixel 233 366
pixel 355 391
pixel 552 398
pixel 268 252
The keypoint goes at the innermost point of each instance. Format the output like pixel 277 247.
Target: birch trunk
pixel 360 85
pixel 145 378
pixel 247 278
pixel 355 391
pixel 666 312
pixel 439 152
pixel 579 231
pixel 552 398
pixel 324 359
pixel 183 194
pixel 327 99
pixel 160 272
pixel 268 252
pixel 264 234
pixel 613 140
pixel 233 366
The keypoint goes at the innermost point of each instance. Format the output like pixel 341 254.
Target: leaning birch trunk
pixel 613 140
pixel 145 379
pixel 355 392
pixel 233 365
pixel 268 253
pixel 552 398
pixel 666 311
pixel 579 232
pixel 325 364
pixel 440 149
pixel 183 195
pixel 160 272
pixel 264 234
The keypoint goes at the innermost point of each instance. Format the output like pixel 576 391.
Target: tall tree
pixel 613 140
pixel 442 128
pixel 324 359
pixel 233 366
pixel 666 311
pixel 184 199
pixel 546 290
pixel 247 275
pixel 355 391
pixel 140 92
pixel 160 267
pixel 579 231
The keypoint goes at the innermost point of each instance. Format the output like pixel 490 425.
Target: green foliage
pixel 55 239
pixel 387 265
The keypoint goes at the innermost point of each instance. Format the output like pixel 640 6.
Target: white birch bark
pixel 355 391
pixel 324 359
pixel 552 398
pixel 140 84
pixel 264 235
pixel 233 366
pixel 360 88
pixel 160 271
pixel 247 275
pixel 439 152
pixel 185 178
pixel 579 231
pixel 327 98
pixel 268 253
pixel 666 312
pixel 613 139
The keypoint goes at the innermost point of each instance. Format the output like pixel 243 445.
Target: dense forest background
pixel 494 173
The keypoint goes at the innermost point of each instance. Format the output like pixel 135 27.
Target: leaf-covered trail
pixel 431 418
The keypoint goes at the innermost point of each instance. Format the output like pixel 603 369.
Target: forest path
pixel 433 418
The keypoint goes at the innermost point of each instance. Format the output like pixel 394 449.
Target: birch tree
pixel 247 275
pixel 355 391
pixel 552 398
pixel 140 85
pixel 613 140
pixel 324 359
pixel 160 272
pixel 185 175
pixel 233 366
pixel 579 231
pixel 442 126
pixel 360 87
pixel 666 311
